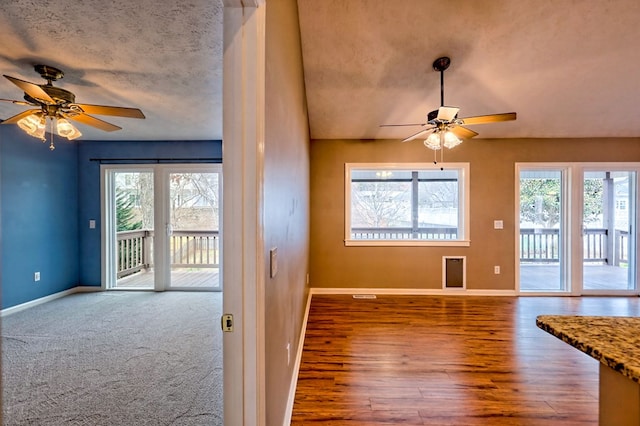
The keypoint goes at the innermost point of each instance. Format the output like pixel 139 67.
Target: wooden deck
pixel 201 279
pixel 545 277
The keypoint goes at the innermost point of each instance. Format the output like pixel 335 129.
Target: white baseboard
pixel 40 301
pixel 296 367
pixel 413 291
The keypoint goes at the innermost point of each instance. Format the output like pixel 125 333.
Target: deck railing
pixel 195 249
pixel 432 233
pixel 542 245
pixel 536 244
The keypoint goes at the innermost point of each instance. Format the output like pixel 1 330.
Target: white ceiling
pixel 569 68
pixel 164 57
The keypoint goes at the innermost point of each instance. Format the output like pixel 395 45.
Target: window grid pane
pixel 405 205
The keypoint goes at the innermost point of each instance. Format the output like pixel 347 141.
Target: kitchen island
pixel 615 342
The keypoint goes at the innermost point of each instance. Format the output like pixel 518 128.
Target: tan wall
pixel 492 196
pixel 286 201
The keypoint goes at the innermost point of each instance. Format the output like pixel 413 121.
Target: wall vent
pixel 454 273
pixel 364 296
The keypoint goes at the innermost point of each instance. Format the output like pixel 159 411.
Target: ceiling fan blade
pixel 447 113
pixel 18 117
pixel 92 121
pixel 32 90
pixel 463 132
pixel 416 135
pixel 111 110
pixel 492 118
pixel 16 102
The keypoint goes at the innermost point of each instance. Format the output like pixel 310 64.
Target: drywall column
pixel 243 165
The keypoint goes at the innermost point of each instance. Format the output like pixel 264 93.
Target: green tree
pixel 540 201
pixel 593 199
pixel 125 215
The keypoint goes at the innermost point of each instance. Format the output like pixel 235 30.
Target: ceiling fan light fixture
pixel 433 141
pixel 34 125
pixel 67 130
pixel 451 140
pixel 56 103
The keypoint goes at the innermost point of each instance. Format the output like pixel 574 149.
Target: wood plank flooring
pixel 420 360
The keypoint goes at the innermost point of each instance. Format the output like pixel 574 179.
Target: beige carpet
pixel 114 358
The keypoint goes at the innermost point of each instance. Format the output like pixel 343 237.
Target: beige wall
pixel 492 196
pixel 286 201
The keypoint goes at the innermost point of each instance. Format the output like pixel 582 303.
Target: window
pixel 406 204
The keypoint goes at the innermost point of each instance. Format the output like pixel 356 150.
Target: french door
pixel 608 230
pixel 161 227
pixel 577 228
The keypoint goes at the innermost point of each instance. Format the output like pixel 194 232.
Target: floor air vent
pixel 454 274
pixel 364 296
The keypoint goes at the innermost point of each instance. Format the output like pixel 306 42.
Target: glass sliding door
pixel 541 246
pixel 162 227
pixel 608 237
pixel 129 217
pixel 194 221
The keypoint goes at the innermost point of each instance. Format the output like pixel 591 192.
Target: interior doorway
pixel 162 227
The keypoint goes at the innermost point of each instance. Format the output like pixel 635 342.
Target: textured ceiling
pixel 569 68
pixel 164 57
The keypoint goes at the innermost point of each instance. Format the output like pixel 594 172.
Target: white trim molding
pixel 243 234
pixel 296 367
pixel 49 298
pixel 412 291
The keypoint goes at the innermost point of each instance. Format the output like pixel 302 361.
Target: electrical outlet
pixel 496 270
pixel 36 276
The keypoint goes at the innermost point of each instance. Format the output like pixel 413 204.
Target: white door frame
pixel 108 219
pixel 572 223
pixel 161 217
pixel 243 237
pixel 633 243
pixel 163 212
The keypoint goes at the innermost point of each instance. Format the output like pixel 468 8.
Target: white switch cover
pixel 497 224
pixel 273 255
pixel 92 224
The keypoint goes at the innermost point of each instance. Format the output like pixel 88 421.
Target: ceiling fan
pixel 443 124
pixel 60 105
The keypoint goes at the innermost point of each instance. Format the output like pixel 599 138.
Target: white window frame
pixel 463 239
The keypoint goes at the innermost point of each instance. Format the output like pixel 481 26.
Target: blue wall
pixel 89 172
pixel 47 199
pixel 39 216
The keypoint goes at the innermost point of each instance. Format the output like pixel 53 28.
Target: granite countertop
pixel 614 341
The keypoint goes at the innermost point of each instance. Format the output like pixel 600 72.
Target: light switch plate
pixel 273 256
pixel 92 224
pixel 497 224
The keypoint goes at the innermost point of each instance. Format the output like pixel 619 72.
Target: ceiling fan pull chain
pixel 51 146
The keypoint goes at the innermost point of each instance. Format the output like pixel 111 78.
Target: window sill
pixel 407 243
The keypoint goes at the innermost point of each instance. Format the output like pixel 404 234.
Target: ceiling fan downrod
pixel 441 64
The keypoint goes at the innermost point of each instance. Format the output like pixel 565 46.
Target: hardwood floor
pixel 421 360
